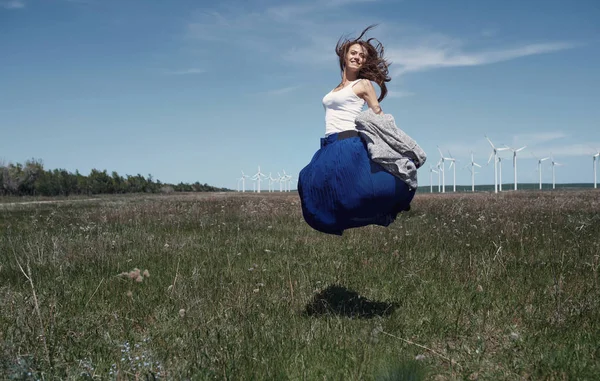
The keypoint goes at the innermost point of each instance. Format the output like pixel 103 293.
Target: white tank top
pixel 341 109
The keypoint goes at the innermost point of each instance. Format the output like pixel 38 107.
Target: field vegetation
pixel 237 286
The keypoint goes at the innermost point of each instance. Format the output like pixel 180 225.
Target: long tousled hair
pixel 375 67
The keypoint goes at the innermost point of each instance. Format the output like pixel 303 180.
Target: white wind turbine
pixel 452 161
pixel 440 170
pixel 515 161
pixel 473 165
pixel 431 172
pixel 271 181
pixel 287 179
pixel 281 180
pixel 554 163
pixel 540 166
pixel 243 181
pixel 596 157
pixel 495 155
pixel 258 178
pixel 443 169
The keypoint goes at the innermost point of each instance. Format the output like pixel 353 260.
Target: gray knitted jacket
pixel 390 147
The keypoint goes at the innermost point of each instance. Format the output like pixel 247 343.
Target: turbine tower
pixel 596 157
pixel 495 155
pixel 431 172
pixel 439 172
pixel 499 174
pixel 473 165
pixel 515 161
pixel 554 163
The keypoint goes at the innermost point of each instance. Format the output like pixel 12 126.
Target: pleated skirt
pixel 342 188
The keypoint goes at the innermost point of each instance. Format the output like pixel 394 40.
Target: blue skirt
pixel 341 188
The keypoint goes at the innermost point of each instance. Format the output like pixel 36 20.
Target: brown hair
pixel 375 67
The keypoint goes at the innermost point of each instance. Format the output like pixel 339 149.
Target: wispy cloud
pixel 307 30
pixel 568 150
pixel 533 139
pixel 185 71
pixel 283 90
pixel 289 12
pixel 420 57
pixel 12 4
pixel 399 94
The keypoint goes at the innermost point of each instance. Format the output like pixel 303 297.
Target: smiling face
pixel 355 57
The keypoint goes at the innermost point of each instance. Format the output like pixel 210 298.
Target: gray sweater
pixel 390 147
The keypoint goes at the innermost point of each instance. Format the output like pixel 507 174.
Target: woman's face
pixel 356 57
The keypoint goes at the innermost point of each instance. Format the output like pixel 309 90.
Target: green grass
pixel 485 286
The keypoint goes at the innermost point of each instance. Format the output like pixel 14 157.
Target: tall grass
pixel 480 286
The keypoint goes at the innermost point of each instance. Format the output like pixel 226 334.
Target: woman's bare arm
pixel 365 90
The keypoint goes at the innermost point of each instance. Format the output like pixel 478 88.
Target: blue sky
pixel 197 91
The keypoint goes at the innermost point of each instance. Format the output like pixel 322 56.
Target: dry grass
pixel 483 287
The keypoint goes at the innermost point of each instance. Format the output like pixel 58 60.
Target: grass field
pixel 230 286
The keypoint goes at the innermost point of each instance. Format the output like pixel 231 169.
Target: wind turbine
pixel 452 161
pixel 473 165
pixel 258 177
pixel 515 161
pixel 288 181
pixel 554 163
pixel 243 180
pixel 431 172
pixel 495 155
pixel 595 157
pixel 443 169
pixel 540 166
pixel 440 170
pixel 281 180
pixel 271 181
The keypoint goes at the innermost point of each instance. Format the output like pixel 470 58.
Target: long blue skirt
pixel 342 188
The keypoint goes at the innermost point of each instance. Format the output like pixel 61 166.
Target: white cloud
pixel 290 12
pixel 304 33
pixel 283 90
pixel 569 150
pixel 537 138
pixel 399 94
pixel 12 4
pixel 426 56
pixel 185 71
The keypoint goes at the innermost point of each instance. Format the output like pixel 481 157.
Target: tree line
pixel 31 179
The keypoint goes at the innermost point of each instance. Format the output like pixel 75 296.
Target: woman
pixel 342 187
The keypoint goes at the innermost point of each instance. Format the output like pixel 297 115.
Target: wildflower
pixel 479 288
pixel 134 274
pixel 139 279
pixel 129 294
pixel 147 273
pixel 182 312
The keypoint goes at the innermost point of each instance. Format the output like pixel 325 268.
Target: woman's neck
pixel 349 76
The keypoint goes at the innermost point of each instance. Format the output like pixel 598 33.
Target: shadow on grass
pixel 338 300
